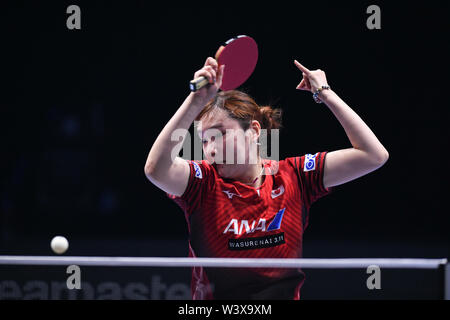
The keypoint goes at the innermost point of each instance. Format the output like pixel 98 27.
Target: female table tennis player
pixel 253 209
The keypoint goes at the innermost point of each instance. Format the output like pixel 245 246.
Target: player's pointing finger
pixel 301 67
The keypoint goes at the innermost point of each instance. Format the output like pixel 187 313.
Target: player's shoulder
pixel 287 162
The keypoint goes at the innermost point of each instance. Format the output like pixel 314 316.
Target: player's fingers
pixel 212 62
pixel 204 73
pixel 301 67
pixel 307 84
pixel 302 85
pixel 220 75
pixel 211 71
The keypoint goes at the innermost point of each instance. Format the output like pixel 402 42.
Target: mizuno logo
pixel 230 194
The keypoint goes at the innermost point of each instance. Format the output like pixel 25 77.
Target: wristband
pixel 316 94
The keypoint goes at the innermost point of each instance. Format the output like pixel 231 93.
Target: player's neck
pixel 254 175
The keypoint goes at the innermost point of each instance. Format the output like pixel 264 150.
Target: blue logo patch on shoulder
pixel 198 171
pixel 310 162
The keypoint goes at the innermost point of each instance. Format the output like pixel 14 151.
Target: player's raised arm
pixel 172 175
pixel 367 154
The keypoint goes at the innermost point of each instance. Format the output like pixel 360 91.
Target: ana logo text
pixel 238 227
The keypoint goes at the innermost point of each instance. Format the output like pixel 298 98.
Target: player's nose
pixel 210 152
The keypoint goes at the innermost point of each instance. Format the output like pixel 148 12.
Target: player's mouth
pixel 223 163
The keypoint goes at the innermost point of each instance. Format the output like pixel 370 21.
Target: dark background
pixel 80 110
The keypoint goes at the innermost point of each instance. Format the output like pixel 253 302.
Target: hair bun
pixel 271 117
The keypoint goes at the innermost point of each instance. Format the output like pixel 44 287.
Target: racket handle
pixel 198 83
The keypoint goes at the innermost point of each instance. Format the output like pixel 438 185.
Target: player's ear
pixel 256 130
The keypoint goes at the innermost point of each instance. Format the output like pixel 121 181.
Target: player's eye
pixel 213 137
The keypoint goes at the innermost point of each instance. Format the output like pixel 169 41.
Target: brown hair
pixel 241 107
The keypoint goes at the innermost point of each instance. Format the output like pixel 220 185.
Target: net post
pixel 444 281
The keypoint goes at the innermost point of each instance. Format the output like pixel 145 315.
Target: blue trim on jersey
pixel 276 223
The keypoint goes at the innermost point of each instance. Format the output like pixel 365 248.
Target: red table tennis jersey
pixel 227 218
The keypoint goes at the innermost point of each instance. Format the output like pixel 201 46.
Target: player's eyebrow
pixel 216 126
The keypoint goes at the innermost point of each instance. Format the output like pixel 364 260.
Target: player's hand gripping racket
pixel 240 56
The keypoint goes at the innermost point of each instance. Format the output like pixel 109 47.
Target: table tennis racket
pixel 240 56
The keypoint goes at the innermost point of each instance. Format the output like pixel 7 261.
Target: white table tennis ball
pixel 59 244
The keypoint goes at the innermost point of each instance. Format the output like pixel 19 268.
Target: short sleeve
pixel 201 178
pixel 310 169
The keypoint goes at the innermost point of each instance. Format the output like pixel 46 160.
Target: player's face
pixel 226 145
